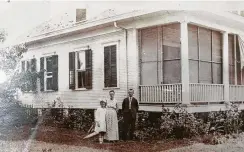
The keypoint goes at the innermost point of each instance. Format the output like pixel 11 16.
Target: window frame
pixel 210 61
pixel 117 44
pixel 45 74
pixel 78 70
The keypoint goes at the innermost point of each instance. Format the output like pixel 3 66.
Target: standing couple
pixel 107 120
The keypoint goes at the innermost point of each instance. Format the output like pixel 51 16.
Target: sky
pixel 18 17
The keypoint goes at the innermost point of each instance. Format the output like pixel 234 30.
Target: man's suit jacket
pixel 134 106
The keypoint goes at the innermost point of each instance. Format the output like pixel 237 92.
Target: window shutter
pixel 22 87
pixel 55 72
pixel 88 73
pixel 23 66
pixel 41 74
pixel 72 70
pixel 113 58
pixel 107 73
pixel 33 70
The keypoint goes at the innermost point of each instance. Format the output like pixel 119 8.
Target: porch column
pixel 184 63
pixel 226 66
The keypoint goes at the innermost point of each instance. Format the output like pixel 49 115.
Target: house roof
pixel 65 23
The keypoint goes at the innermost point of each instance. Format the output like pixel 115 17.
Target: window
pixel 49 73
pixel 235 70
pixel 110 66
pixel 80 69
pixel 205 55
pixel 160 55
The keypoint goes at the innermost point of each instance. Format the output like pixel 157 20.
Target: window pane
pixel 232 74
pixel 193 69
pixel 149 39
pixel 170 53
pixel 205 44
pixel 205 72
pixel 149 73
pixel 27 65
pixel 23 66
pixel 172 71
pixel 231 49
pixel 81 62
pixel 81 79
pixel 49 74
pixel 171 34
pixel 49 64
pixel 238 73
pixel 49 82
pixel 192 41
pixel 217 73
pixel 217 46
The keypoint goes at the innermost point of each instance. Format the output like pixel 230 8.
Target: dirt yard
pixel 54 139
pixel 58 139
pixel 230 145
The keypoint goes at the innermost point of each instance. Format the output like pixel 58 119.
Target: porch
pixel 189 64
pixel 199 94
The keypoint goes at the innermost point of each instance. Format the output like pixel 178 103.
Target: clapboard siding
pixel 84 98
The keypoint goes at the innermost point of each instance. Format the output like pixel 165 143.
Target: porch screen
pixel 236 50
pixel 205 55
pixel 160 55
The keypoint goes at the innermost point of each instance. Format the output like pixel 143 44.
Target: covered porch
pixel 187 63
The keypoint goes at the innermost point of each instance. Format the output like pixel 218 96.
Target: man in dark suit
pixel 129 110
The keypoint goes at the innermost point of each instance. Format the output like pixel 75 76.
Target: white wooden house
pixel 167 57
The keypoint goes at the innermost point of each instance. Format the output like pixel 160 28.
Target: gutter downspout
pixel 126 51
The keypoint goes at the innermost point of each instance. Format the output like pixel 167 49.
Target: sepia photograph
pixel 121 76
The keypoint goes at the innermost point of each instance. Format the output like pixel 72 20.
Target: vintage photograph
pixel 121 76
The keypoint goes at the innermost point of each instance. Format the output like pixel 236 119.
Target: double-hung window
pixel 49 73
pixel 80 69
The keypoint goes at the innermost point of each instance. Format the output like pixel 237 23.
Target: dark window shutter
pixel 88 73
pixel 23 66
pixel 72 70
pixel 110 66
pixel 22 87
pixel 33 70
pixel 55 72
pixel 107 73
pixel 41 74
pixel 113 66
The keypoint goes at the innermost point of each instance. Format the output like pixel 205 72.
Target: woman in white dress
pixel 112 132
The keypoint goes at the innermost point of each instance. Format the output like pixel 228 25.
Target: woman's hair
pixel 112 91
pixel 101 101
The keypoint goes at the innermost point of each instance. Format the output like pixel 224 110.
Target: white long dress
pixel 100 115
pixel 112 132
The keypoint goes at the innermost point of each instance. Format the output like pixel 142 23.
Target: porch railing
pixel 206 92
pixel 236 93
pixel 166 93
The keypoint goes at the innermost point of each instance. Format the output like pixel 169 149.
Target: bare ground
pixel 230 145
pixel 65 140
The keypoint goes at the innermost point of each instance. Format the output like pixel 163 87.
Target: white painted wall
pixel 81 98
